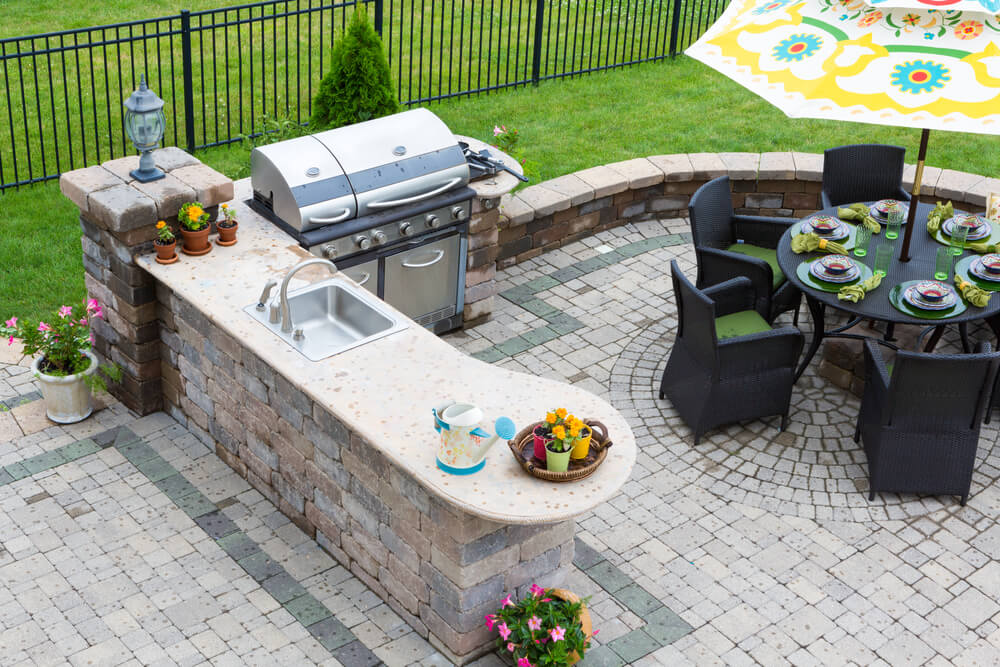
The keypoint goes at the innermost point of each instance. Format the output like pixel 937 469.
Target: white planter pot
pixel 67 397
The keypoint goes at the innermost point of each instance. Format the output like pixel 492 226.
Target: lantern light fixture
pixel 144 125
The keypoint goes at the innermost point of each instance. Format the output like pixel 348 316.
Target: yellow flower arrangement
pixel 565 428
pixel 193 216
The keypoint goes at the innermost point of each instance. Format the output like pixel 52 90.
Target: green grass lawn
pixel 565 126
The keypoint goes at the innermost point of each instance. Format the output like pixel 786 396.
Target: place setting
pixel 826 228
pixel 926 299
pixel 832 272
pixel 962 229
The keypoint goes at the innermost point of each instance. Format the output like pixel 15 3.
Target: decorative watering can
pixel 464 440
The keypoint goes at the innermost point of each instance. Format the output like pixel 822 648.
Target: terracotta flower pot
pixel 585 622
pixel 165 252
pixel 227 235
pixel 195 243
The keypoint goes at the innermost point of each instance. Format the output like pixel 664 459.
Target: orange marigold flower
pixel 161 224
pixel 550 418
pixel 574 432
pixel 559 432
pixel 561 412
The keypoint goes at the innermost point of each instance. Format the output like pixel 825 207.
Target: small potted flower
pixel 560 447
pixel 581 448
pixel 543 432
pixel 165 243
pixel 227 226
pixel 66 369
pixel 194 228
pixel 548 627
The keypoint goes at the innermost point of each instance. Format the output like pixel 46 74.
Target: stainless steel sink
pixel 330 317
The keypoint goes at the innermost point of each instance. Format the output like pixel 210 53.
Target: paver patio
pixel 126 541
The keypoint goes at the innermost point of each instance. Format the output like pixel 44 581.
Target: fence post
pixel 188 78
pixel 536 58
pixel 675 24
pixel 378 17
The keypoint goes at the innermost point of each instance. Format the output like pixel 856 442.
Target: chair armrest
pixel 766 350
pixel 732 296
pixel 983 347
pixel 717 266
pixel 762 231
pixel 825 199
pixel 876 373
pixel 903 194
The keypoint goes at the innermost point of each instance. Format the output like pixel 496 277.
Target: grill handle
pixel 440 254
pixel 410 200
pixel 365 279
pixel 329 221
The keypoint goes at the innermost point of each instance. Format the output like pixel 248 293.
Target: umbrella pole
pixel 904 254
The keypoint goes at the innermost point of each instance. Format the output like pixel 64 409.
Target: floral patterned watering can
pixel 464 441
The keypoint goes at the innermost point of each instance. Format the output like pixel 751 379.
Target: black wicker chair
pixel 863 172
pixel 727 363
pixel 717 229
pixel 920 427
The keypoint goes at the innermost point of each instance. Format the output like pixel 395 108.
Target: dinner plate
pixel 982 231
pixel 840 232
pixel 884 217
pixel 913 298
pixel 817 269
pixel 977 269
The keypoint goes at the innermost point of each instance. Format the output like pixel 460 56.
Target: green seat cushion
pixel 767 254
pixel 740 324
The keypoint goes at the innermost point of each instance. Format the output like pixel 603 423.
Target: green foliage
pixel 193 216
pixel 540 629
pixel 358 86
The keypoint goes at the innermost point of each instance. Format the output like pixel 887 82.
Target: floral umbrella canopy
pixel 849 60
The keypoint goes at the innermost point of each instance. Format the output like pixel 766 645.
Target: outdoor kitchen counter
pixel 384 390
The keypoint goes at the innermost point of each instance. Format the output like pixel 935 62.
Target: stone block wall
pixel 118 217
pixel 439 568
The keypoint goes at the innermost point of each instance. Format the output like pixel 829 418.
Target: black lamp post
pixel 144 125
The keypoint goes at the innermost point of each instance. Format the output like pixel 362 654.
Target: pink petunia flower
pixel 557 633
pixel 524 662
pixel 546 599
pixel 504 631
pixel 534 623
pixel 92 305
pixel 507 602
pixel 43 327
pixel 511 646
pixel 12 322
pixel 10 342
pixel 490 620
pixel 536 590
pixel 83 321
pixel 65 311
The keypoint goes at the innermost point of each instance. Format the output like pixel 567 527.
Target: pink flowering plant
pixel 59 339
pixel 540 629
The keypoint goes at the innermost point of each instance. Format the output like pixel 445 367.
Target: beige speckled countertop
pixel 385 390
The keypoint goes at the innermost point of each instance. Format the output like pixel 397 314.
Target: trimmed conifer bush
pixel 358 86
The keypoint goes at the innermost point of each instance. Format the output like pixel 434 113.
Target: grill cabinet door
pixel 364 274
pixel 423 280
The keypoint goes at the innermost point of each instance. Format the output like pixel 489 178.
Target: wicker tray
pixel 523 448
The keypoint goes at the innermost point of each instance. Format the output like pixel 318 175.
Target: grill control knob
pixel 432 221
pixel 362 242
pixel 329 251
pixel 405 228
pixel 457 212
pixel 378 237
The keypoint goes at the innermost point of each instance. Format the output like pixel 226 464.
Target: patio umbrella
pixel 911 65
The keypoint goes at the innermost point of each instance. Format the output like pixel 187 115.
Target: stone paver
pixel 137 545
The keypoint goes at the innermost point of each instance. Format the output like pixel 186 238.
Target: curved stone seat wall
pixel 547 215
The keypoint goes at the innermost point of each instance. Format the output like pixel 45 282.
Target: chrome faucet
pixel 286 315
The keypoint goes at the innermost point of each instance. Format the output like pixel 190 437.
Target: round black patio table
pixel 876 305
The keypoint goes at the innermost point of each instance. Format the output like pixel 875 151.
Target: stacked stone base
pixel 843 362
pixel 440 568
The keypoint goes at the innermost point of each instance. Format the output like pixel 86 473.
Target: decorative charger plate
pixel 966 269
pixel 812 281
pixel 847 242
pixel 523 449
pixel 994 236
pixel 900 304
pixel 980 232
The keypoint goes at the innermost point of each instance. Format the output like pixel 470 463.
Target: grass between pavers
pixel 669 107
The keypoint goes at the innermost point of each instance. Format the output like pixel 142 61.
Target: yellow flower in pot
pixel 194 228
pixel 582 434
pixel 558 450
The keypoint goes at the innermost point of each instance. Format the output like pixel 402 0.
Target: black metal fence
pixel 223 72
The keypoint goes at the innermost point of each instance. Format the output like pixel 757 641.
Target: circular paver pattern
pixel 813 470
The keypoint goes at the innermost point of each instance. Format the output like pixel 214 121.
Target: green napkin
pixel 982 248
pixel 976 296
pixel 857 291
pixel 940 213
pixel 860 213
pixel 812 241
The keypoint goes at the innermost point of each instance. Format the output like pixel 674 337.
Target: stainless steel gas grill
pixel 386 200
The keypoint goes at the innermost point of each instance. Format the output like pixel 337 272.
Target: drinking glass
pixel 883 257
pixel 895 221
pixel 959 233
pixel 942 264
pixel 862 237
